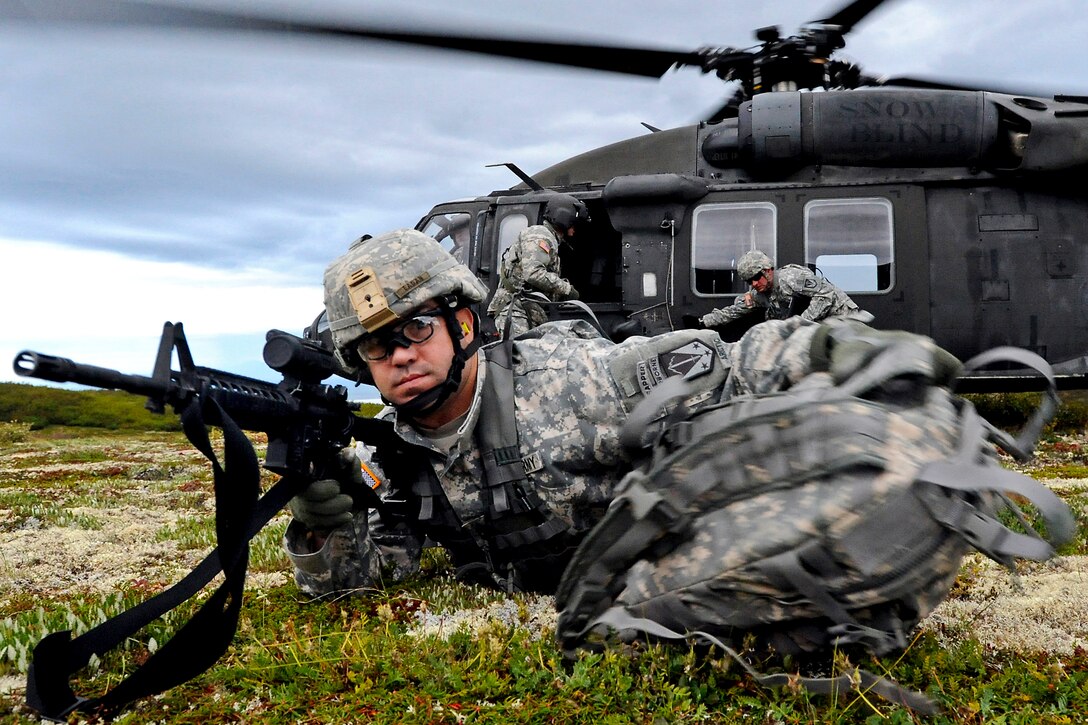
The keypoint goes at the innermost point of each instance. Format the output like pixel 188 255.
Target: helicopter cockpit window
pixel 724 232
pixel 453 230
pixel 851 242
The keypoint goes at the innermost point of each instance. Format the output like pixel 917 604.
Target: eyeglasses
pixel 416 329
pixel 752 280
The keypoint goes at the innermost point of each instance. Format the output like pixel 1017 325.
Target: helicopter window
pixel 850 241
pixel 509 228
pixel 453 230
pixel 724 232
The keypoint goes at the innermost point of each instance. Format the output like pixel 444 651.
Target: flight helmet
pixel 563 211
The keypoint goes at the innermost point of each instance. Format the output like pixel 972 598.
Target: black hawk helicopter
pixel 949 211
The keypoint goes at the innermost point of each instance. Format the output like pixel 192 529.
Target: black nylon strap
pixel 511 497
pixel 202 640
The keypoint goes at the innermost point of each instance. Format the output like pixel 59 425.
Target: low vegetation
pixel 42 406
pixel 93 521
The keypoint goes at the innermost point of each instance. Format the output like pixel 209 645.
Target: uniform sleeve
pixel 538 258
pixel 354 557
pixel 802 281
pixel 722 315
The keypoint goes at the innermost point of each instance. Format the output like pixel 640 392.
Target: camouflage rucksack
pixel 830 515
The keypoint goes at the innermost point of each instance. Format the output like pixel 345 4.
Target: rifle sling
pixel 205 637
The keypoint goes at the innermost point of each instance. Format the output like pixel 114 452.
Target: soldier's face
pixel 409 371
pixel 762 283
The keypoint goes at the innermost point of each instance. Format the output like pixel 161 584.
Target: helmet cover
pixel 752 263
pixel 380 280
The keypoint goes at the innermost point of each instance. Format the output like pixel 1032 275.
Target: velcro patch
pixel 545 247
pixel 649 374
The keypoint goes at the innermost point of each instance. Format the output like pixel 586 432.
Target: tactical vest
pixel 521 544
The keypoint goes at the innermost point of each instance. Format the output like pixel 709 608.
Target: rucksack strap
pixel 963 474
pixel 517 515
pixel 1023 444
pixel 790 574
pixel 982 530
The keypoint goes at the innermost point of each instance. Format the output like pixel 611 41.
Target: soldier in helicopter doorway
pixel 530 267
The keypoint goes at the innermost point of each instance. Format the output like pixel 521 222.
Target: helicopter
pixel 885 186
pixel 946 210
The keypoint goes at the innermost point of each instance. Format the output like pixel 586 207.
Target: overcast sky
pixel 209 178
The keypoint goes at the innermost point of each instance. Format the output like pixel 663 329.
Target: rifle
pixel 307 422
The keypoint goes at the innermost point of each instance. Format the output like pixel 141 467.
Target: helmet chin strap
pixel 431 400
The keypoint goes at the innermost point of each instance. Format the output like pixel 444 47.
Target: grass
pixel 103 520
pixel 353 660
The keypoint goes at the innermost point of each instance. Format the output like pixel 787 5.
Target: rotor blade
pixel 850 15
pixel 930 84
pixel 652 63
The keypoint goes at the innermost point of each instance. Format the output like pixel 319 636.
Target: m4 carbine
pixel 308 423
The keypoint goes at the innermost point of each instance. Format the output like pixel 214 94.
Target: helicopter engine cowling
pixel 884 128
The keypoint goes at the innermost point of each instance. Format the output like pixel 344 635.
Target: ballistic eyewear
pixel 416 329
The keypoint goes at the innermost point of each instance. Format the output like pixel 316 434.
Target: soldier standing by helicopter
pixel 531 265
pixel 780 291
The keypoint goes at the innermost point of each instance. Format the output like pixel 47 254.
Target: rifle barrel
pixel 62 370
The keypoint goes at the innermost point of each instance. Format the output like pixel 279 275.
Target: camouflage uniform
pixel 531 264
pixel 573 426
pixel 827 300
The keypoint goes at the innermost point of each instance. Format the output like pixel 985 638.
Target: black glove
pixel 692 322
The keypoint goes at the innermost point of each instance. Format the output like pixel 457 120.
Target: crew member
pixel 531 265
pixel 783 293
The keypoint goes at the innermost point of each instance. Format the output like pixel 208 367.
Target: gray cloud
pixel 232 151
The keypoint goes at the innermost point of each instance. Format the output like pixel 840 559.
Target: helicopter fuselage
pixel 955 214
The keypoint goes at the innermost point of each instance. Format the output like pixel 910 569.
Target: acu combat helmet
pixel 563 211
pixel 752 263
pixel 379 281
